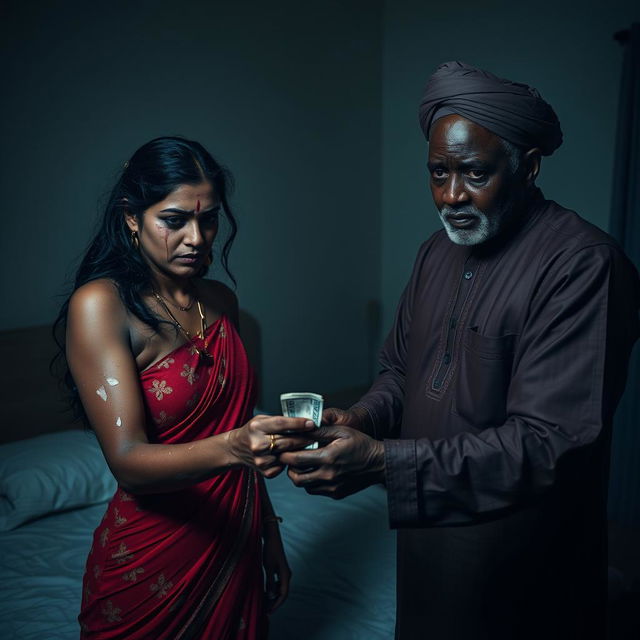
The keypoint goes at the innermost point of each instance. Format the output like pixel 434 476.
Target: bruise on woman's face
pixel 186 223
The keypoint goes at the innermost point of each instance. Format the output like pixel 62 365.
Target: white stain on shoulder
pixel 112 382
pixel 101 392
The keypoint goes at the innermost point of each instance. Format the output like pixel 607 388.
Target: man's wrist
pixel 378 461
pixel 363 421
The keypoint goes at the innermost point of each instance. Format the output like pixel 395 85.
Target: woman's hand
pixel 258 443
pixel 276 569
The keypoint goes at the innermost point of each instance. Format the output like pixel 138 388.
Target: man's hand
pixel 348 461
pixel 344 417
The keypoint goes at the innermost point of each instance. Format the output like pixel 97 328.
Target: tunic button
pixel 468 275
pixel 447 358
pixel 436 384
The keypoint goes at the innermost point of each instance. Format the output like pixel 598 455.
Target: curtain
pixel 624 488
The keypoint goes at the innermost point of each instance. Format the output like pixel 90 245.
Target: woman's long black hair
pixel 154 171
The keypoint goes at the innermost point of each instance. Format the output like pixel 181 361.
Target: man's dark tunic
pixel 498 385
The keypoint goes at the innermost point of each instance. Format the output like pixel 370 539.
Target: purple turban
pixel 511 110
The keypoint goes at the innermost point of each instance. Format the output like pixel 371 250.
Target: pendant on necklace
pixel 205 357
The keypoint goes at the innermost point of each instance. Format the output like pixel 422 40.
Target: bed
pixel 53 492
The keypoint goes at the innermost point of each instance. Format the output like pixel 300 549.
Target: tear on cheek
pixel 164 233
pixel 101 392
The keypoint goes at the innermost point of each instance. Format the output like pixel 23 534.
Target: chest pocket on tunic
pixel 482 380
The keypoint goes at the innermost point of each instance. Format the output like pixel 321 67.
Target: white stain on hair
pixel 102 393
pixel 112 382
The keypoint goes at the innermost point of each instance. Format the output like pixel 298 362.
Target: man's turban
pixel 511 110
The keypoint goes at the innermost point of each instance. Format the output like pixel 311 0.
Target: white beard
pixel 486 227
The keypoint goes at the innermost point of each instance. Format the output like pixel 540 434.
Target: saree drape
pixel 184 564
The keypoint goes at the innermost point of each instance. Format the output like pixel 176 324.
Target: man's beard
pixel 484 227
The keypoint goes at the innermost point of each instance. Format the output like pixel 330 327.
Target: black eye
pixel 174 222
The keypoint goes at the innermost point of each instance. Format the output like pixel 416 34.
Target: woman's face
pixel 177 233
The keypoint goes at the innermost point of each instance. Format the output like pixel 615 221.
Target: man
pixel 490 420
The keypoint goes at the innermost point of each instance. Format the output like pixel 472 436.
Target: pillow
pixel 51 473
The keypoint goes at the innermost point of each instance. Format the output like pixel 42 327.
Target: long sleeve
pixel 568 372
pixel 384 400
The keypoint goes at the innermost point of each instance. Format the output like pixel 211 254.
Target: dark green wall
pixel 286 94
pixel 313 107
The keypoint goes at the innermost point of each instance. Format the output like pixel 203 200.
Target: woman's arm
pixel 276 567
pixel 104 370
pixel 268 514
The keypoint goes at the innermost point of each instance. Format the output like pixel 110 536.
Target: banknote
pixel 303 405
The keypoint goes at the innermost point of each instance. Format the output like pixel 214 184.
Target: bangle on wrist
pixel 270 519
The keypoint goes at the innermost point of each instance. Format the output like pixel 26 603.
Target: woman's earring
pixel 134 240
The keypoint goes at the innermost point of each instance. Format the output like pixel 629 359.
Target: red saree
pixel 185 564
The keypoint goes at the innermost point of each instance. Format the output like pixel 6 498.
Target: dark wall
pixel 286 94
pixel 313 106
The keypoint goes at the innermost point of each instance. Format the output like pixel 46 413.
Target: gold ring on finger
pixel 272 442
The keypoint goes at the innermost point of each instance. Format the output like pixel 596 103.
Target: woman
pixel 164 381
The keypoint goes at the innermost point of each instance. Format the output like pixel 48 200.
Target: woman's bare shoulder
pixel 97 301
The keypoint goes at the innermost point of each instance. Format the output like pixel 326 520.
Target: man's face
pixel 472 180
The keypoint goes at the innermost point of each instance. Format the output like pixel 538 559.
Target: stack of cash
pixel 303 405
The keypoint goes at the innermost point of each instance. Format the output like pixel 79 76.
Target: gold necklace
pixel 205 356
pixel 175 304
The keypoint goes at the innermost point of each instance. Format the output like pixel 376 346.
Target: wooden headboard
pixel 31 398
